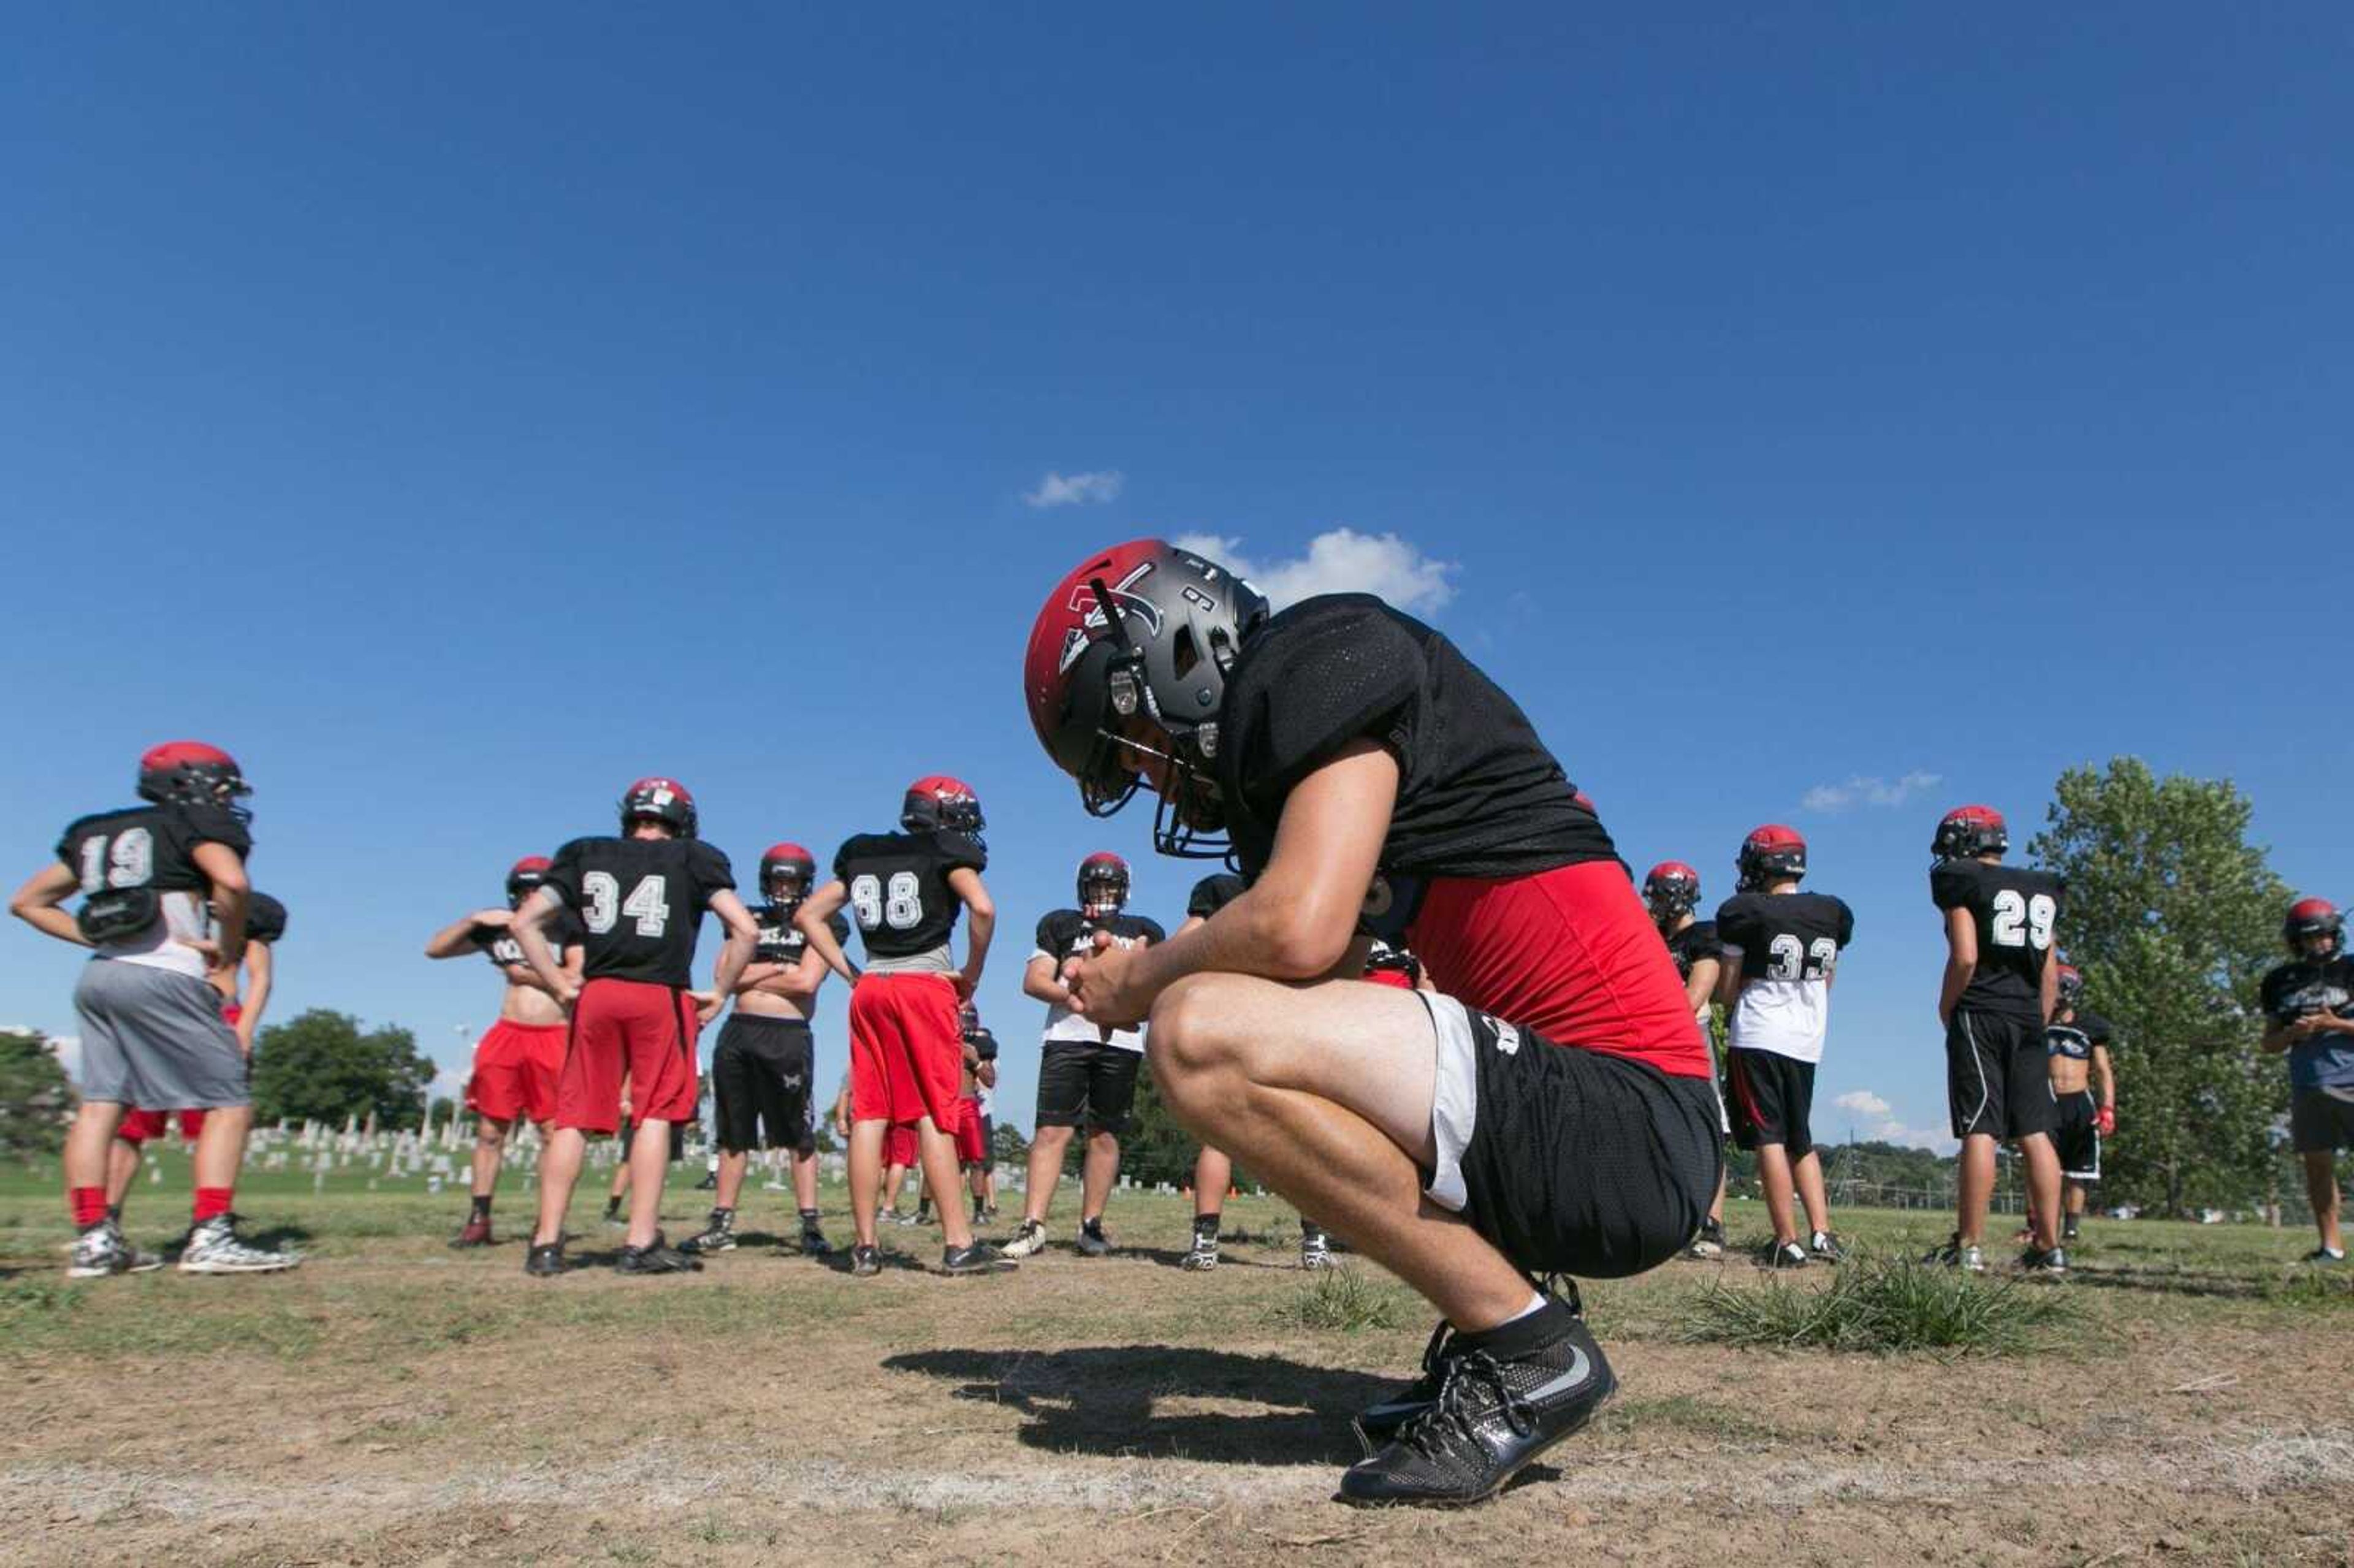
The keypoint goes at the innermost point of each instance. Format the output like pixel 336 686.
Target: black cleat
pixel 1377 1426
pixel 717 1235
pixel 866 1261
pixel 975 1258
pixel 710 1182
pixel 544 1261
pixel 657 1256
pixel 813 1243
pixel 1494 1415
pixel 1708 1245
pixel 2044 1265
pixel 1825 1248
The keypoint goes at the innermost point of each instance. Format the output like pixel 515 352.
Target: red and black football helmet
pixel 2071 986
pixel 788 872
pixel 1968 832
pixel 192 774
pixel 661 800
pixel 1671 888
pixel 1770 854
pixel 523 878
pixel 935 802
pixel 2310 917
pixel 1124 676
pixel 1103 883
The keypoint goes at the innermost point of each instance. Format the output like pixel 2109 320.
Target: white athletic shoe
pixel 1030 1240
pixel 99 1252
pixel 214 1248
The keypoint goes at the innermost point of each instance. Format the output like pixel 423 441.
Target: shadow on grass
pixel 1104 1400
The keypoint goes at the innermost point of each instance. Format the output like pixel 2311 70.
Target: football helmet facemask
pixel 787 873
pixel 1968 832
pixel 2311 917
pixel 1671 889
pixel 193 774
pixel 1103 883
pixel 661 800
pixel 1769 855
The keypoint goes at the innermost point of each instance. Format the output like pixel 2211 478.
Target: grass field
pixel 2187 1398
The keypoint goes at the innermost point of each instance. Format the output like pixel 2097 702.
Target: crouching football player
pixel 1551 1112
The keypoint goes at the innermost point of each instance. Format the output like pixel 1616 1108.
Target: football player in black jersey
pixel 907 1045
pixel 164 903
pixel 1086 1072
pixel 764 1070
pixel 1999 992
pixel 265 927
pixel 1671 893
pixel 516 1062
pixel 974 1131
pixel 1781 952
pixel 2308 1005
pixel 641 899
pixel 2077 1049
pixel 1341 747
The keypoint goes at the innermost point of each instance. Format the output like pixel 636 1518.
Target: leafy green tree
pixel 34 1097
pixel 321 1065
pixel 1007 1145
pixel 2173 915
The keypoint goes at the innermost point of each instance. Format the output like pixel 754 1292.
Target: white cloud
pixel 1864 1102
pixel 1880 1123
pixel 1340 560
pixel 1869 790
pixel 1091 488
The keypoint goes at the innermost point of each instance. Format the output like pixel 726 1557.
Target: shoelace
pixel 1452 1412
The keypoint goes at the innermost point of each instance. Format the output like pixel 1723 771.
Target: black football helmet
pixel 2071 986
pixel 1103 883
pixel 2310 917
pixel 661 801
pixel 1125 672
pixel 192 774
pixel 788 872
pixel 1968 832
pixel 937 801
pixel 1671 889
pixel 523 878
pixel 1770 855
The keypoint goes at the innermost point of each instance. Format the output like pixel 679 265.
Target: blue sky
pixel 457 416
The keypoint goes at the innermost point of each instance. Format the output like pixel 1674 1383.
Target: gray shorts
pixel 2322 1120
pixel 154 1038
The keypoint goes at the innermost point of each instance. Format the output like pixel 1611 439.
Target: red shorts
pixel 139 1126
pixel 907 1049
pixel 515 1069
pixel 900 1146
pixel 1570 953
pixel 633 1030
pixel 972 1148
pixel 1397 978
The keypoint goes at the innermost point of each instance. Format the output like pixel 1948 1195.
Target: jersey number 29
pixel 2021 922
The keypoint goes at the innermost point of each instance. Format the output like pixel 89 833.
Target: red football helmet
pixel 1671 888
pixel 1770 854
pixel 524 876
pixel 1103 882
pixel 1126 670
pixel 788 872
pixel 1970 830
pixel 2313 918
pixel 937 801
pixel 661 801
pixel 191 773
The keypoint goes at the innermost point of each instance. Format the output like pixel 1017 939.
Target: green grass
pixel 1883 1303
pixel 1343 1300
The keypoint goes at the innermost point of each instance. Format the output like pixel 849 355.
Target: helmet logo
pixel 1091 613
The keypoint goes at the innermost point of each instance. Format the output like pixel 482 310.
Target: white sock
pixel 1536 1304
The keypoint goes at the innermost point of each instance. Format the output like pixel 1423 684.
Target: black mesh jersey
pixel 1478 795
pixel 781 941
pixel 2303 986
pixel 1212 893
pixel 2016 911
pixel 2076 1038
pixel 265 918
pixel 1693 943
pixel 1784 935
pixel 898 888
pixel 984 1044
pixel 499 945
pixel 150 846
pixel 641 901
pixel 1068 934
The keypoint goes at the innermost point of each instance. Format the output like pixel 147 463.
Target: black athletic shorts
pixel 2073 1136
pixel 2321 1120
pixel 1999 1076
pixel 1079 1082
pixel 761 1074
pixel 1773 1100
pixel 677 1139
pixel 1567 1159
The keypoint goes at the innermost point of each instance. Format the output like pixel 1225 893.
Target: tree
pixel 34 1097
pixel 2173 916
pixel 1007 1145
pixel 319 1064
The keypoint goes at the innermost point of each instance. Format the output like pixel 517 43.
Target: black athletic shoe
pixel 1093 1243
pixel 2068 1231
pixel 2051 1264
pixel 1825 1248
pixel 544 1261
pixel 658 1256
pixel 1495 1414
pixel 975 1258
pixel 813 1243
pixel 866 1261
pixel 2323 1258
pixel 717 1235
pixel 710 1182
pixel 1784 1254
pixel 1384 1420
pixel 1708 1245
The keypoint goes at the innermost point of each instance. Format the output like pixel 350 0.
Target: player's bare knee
pixel 1191 1032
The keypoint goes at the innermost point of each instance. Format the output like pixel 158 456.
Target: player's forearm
pixel 2277 1039
pixel 531 937
pixel 230 905
pixel 39 904
pixel 1040 981
pixel 733 959
pixel 1957 980
pixel 980 929
pixel 2109 1086
pixel 452 941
